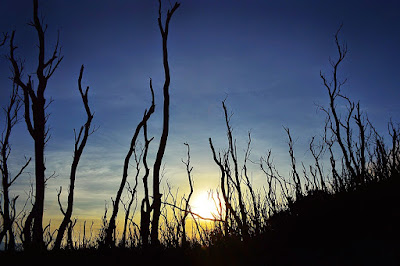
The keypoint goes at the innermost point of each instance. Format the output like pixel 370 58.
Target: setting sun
pixel 204 205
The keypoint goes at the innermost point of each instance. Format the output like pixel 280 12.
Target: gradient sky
pixel 264 56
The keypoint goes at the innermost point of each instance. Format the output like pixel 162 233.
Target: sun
pixel 204 205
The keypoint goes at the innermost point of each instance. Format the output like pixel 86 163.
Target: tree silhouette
pixel 189 169
pixel 80 142
pixel 145 208
pixel 353 151
pixel 232 178
pixel 109 240
pixel 36 124
pixel 156 206
pixel 7 209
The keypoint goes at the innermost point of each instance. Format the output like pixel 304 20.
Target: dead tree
pixel 80 143
pixel 256 218
pixel 342 130
pixel 386 156
pixel 133 196
pixel 394 153
pixel 227 180
pixel 236 182
pixel 187 206
pixel 277 192
pixel 156 206
pixel 145 208
pixel 7 209
pixel 295 175
pixel 127 208
pixel 316 152
pixel 109 240
pixel 36 123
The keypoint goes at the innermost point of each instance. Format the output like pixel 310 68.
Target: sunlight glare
pixel 204 205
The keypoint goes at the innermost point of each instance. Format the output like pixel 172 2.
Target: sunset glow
pixel 204 205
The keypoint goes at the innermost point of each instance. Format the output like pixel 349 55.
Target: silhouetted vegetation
pixel 80 143
pixel 36 124
pixel 341 209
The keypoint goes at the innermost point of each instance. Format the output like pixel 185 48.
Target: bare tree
pixel 7 208
pixel 276 191
pixel 127 207
pixel 227 180
pixel 36 123
pixel 317 152
pixel 386 156
pixel 156 206
pixel 145 208
pixel 295 175
pixel 80 143
pixel 187 200
pixel 132 194
pixel 342 130
pixel 237 181
pixel 110 241
pixel 254 200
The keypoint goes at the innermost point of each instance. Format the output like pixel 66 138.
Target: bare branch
pixel 5 37
pixel 59 201
pixel 20 171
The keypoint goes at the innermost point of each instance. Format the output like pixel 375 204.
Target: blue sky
pixel 264 56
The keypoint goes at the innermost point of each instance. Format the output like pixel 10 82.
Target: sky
pixel 263 57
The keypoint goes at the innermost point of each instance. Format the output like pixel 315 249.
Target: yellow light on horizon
pixel 204 205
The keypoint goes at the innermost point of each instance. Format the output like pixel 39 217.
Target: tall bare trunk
pixel 164 136
pixel 33 228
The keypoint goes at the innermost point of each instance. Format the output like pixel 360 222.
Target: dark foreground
pixel 350 228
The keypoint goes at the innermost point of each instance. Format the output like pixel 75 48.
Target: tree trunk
pixel 33 233
pixel 164 136
pixel 79 146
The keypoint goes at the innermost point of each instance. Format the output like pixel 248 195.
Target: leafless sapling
pixel 295 175
pixel 7 208
pixel 80 143
pixel 189 169
pixel 229 210
pixel 317 152
pixel 237 179
pixel 145 208
pixel 132 194
pixel 276 191
pixel 110 241
pixel 228 179
pixel 254 200
pixel 353 151
pixel 386 156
